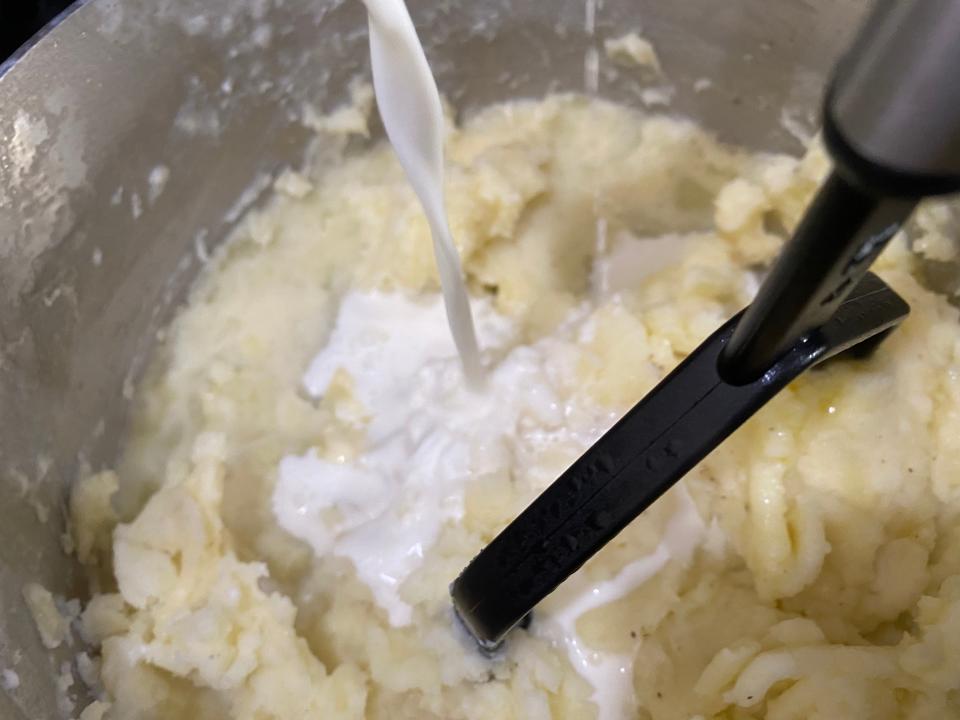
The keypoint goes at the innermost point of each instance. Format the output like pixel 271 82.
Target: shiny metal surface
pixel 92 264
pixel 905 59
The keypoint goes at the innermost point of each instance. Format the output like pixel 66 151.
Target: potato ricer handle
pixel 892 126
pixel 649 449
pixel 818 300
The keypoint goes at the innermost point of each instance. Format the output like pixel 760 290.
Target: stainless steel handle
pixel 892 113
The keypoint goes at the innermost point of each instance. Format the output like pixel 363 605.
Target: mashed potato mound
pixel 828 587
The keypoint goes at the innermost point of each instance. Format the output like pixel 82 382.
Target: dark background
pixel 20 19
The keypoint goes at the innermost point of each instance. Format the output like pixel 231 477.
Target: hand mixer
pixel 892 127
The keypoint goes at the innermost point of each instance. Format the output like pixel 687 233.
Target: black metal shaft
pixel 841 234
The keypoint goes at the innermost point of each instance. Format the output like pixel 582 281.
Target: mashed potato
pixel 827 583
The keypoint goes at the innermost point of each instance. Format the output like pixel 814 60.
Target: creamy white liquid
pixel 409 105
pixel 611 674
pixel 428 436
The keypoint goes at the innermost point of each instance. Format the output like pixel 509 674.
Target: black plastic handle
pixel 674 427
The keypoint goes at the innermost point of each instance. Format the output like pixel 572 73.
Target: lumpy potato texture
pixel 829 583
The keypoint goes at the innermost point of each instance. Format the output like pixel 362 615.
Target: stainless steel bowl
pixel 92 263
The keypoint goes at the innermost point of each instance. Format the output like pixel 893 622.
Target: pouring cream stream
pixel 409 105
pixel 431 432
